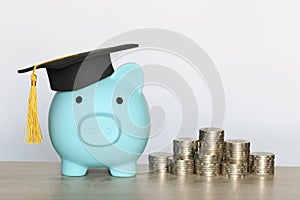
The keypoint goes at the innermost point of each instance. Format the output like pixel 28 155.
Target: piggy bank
pixel 105 124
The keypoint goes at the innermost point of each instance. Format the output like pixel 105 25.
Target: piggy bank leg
pixel 72 169
pixel 125 170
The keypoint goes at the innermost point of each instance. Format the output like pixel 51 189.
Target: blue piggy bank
pixel 98 117
pixel 105 124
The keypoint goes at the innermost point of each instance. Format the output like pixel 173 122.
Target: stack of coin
pixel 236 158
pixel 235 170
pixel 158 162
pixel 180 166
pixel 211 142
pixel 184 148
pixel 210 152
pixel 262 163
pixel 207 165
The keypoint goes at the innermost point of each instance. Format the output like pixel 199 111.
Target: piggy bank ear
pixel 130 72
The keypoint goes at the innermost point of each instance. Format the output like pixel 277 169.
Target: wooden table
pixel 32 180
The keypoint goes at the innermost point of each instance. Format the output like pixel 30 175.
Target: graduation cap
pixel 76 71
pixel 69 73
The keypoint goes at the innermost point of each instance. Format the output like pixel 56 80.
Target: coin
pixel 236 158
pixel 158 162
pixel 262 163
pixel 181 167
pixel 184 148
pixel 210 152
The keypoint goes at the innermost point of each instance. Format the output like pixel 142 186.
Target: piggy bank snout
pixel 99 129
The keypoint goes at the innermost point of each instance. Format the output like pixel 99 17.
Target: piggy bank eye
pixel 119 100
pixel 78 99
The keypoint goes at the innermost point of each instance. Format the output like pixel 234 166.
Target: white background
pixel 254 44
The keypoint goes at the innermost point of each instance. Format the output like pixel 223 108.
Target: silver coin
pixel 262 163
pixel 158 162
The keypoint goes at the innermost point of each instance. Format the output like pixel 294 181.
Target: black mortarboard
pixel 80 70
pixel 68 73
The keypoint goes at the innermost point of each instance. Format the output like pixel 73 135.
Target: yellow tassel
pixel 33 127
